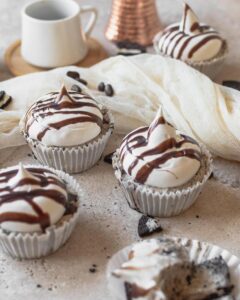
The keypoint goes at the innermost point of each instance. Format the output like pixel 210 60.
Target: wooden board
pixel 18 66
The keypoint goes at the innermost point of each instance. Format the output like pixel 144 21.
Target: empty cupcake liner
pixel 161 202
pixel 36 245
pixel 73 159
pixel 198 252
pixel 209 67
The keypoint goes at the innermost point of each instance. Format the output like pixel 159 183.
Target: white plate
pixel 198 252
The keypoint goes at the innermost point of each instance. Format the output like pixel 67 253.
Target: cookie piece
pixel 148 226
pixel 232 84
pixel 128 48
pixel 186 280
pixel 5 99
pixel 108 158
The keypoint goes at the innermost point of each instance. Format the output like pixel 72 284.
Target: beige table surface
pixel 106 223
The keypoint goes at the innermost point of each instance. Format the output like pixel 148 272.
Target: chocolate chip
pixel 82 81
pixel 148 226
pixel 9 100
pixel 109 90
pixel 232 84
pixel 39 285
pixel 76 88
pixel 211 175
pixel 92 270
pixel 2 94
pixel 108 158
pixel 101 87
pixel 73 74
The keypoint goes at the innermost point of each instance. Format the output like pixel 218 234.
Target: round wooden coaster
pixel 18 66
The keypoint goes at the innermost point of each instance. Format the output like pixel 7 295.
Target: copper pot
pixel 133 20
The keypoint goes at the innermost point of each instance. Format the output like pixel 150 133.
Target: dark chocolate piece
pixel 101 87
pixel 148 226
pixel 2 94
pixel 109 90
pixel 82 81
pixel 232 84
pixel 108 158
pixel 73 74
pixel 4 105
pixel 76 88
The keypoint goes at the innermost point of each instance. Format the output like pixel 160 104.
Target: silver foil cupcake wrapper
pixel 74 159
pixel 198 252
pixel 157 202
pixel 36 245
pixel 210 67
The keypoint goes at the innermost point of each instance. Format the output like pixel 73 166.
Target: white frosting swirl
pixel 159 156
pixel 147 260
pixel 64 119
pixel 31 199
pixel 190 40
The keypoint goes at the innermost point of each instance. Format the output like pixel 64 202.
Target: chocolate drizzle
pixel 64 103
pixel 40 178
pixel 167 149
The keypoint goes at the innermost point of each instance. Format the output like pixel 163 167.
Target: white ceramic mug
pixel 52 35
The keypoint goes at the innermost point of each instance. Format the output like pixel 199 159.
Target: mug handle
pixel 91 23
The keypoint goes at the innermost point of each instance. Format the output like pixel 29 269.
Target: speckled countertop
pixel 106 223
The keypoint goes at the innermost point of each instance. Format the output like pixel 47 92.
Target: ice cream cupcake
pixel 195 43
pixel 162 269
pixel 39 209
pixel 161 171
pixel 67 130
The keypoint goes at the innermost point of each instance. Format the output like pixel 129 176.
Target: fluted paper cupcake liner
pixel 73 159
pixel 162 202
pixel 209 67
pixel 36 245
pixel 198 252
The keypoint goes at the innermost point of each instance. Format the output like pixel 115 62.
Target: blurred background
pixel 224 15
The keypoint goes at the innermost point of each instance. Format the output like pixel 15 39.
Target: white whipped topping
pixel 22 183
pixel 64 119
pixel 190 40
pixel 146 261
pixel 159 156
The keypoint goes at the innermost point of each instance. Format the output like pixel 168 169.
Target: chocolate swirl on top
pixel 64 119
pixel 31 199
pixel 158 156
pixel 190 40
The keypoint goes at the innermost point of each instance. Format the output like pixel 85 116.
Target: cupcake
pixel 162 269
pixel 67 130
pixel 39 209
pixel 197 44
pixel 161 171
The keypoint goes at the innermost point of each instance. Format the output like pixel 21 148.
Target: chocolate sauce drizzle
pixel 137 140
pixel 63 103
pixel 42 178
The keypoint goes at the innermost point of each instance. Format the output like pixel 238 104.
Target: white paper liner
pixel 73 159
pixel 198 252
pixel 157 202
pixel 36 245
pixel 209 67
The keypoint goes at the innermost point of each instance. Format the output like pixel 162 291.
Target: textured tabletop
pixel 107 223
